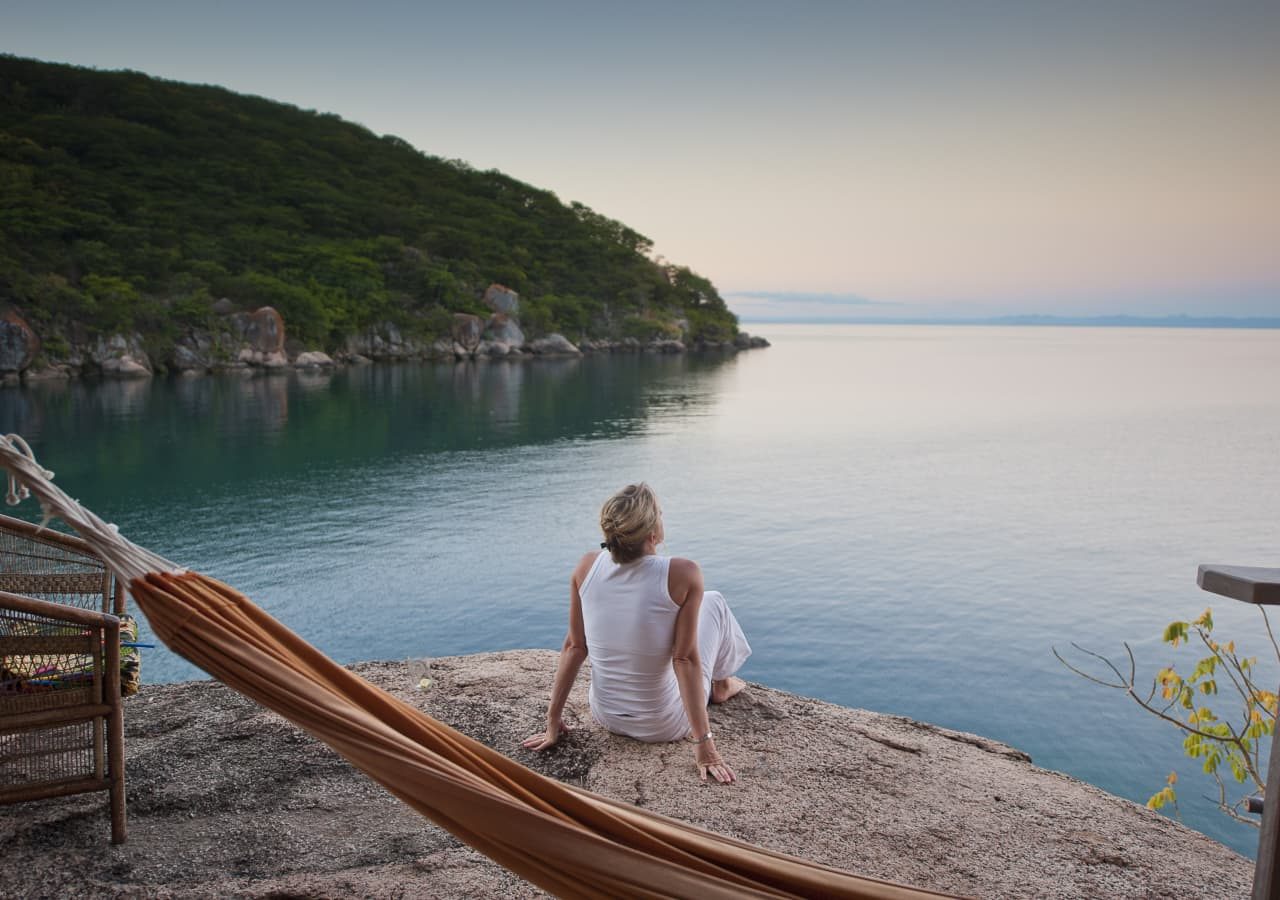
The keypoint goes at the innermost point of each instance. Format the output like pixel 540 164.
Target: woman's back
pixel 629 619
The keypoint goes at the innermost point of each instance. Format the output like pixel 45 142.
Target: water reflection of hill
pixel 188 435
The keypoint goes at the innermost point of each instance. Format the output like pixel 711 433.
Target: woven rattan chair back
pixel 49 565
pixel 61 716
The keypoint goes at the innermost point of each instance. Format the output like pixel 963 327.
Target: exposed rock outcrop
pixel 493 349
pixel 245 340
pixel 313 359
pixel 118 356
pixel 19 343
pixel 261 330
pixel 258 341
pixel 385 341
pixel 504 329
pixel 262 360
pixel 188 358
pixel 467 331
pixel 51 372
pixel 502 300
pixel 554 345
pixel 226 799
pixel 745 341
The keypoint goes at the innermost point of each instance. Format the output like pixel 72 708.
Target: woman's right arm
pixel 572 655
pixel 685 586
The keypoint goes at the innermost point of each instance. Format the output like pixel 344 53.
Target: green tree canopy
pixel 128 202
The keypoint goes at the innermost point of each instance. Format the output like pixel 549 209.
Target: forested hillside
pixel 129 203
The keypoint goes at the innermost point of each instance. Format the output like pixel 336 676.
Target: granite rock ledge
pixel 227 799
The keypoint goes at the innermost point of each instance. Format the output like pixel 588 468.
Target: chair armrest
pixel 60 611
pixel 47 535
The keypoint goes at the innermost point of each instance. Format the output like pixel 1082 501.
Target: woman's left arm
pixel 685 585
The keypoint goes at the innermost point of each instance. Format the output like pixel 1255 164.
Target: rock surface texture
pixel 18 342
pixel 504 329
pixel 227 799
pixel 384 341
pixel 119 356
pixel 501 299
pixel 313 359
pixel 262 330
pixel 554 345
pixel 467 330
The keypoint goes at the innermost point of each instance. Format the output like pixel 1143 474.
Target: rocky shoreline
pixel 251 341
pixel 227 800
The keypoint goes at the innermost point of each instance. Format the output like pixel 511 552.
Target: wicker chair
pixel 61 715
pixel 57 567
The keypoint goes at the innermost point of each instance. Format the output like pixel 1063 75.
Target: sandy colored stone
pixel 313 359
pixel 228 800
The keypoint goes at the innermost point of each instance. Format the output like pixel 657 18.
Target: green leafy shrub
pixel 643 328
pixel 706 326
pixel 433 322
pixel 570 314
pixel 55 346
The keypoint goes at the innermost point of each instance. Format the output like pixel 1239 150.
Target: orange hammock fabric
pixel 565 840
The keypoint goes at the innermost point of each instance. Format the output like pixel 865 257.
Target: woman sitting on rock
pixel 659 645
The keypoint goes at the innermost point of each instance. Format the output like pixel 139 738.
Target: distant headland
pixel 157 227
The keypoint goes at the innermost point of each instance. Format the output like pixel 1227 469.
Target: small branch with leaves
pixel 1183 701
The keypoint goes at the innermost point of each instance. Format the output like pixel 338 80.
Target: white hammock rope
pixel 28 478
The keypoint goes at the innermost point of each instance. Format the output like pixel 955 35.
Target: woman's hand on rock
pixel 710 763
pixel 549 738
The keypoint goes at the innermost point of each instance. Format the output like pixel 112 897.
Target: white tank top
pixel 630 624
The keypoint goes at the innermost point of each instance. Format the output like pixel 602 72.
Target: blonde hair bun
pixel 627 519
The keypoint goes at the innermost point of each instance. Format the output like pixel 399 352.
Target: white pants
pixel 721 644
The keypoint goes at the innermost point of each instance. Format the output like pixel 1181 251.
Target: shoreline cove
pixel 126 361
pixel 227 799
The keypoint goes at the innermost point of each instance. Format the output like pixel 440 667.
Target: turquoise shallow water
pixel 905 518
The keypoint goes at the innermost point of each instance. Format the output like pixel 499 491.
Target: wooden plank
pixel 1254 584
pixel 115 736
pixel 43 718
pixel 1266 884
pixel 99 742
pixel 51 789
pixel 58 611
pixel 1251 584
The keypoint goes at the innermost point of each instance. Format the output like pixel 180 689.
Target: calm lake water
pixel 905 518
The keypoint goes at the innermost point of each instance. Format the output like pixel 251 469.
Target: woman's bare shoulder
pixel 685 567
pixel 584 565
pixel 681 576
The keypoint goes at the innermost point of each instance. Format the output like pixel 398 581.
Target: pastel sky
pixel 895 159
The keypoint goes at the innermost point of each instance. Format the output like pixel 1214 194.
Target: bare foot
pixel 725 688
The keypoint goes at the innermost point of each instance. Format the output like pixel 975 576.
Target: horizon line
pixel 1034 319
